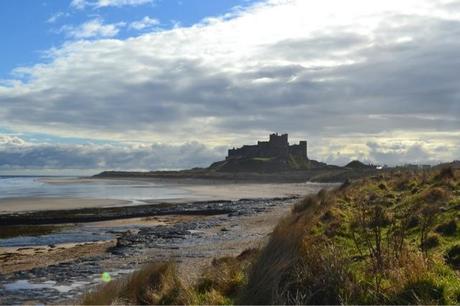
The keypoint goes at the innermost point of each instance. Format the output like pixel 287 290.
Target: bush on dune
pixel 283 251
pixel 221 282
pixel 320 277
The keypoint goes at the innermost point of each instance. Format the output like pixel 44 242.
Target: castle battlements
pixel 277 146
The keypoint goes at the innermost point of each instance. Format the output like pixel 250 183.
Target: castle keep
pixel 278 146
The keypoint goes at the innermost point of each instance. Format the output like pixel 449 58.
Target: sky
pixel 89 85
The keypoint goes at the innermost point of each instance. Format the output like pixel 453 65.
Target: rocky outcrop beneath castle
pixel 266 165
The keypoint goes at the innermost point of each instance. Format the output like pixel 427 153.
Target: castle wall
pixel 277 146
pixel 299 150
pixel 244 152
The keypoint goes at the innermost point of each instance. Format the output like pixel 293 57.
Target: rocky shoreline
pixel 207 230
pixel 113 213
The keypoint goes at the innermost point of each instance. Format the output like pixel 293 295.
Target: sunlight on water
pixel 14 187
pixel 65 288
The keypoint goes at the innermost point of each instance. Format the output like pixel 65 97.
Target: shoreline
pixel 34 204
pixel 87 215
pixel 190 240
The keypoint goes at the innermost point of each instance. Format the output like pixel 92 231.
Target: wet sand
pixel 13 205
pixel 238 191
pixel 15 259
pixel 198 191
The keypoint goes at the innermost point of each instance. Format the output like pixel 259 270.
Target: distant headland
pixel 274 160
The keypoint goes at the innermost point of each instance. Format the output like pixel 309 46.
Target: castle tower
pixel 278 140
pixel 303 147
pixel 278 146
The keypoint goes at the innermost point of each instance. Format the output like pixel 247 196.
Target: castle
pixel 278 146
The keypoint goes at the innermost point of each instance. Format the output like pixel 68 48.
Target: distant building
pixel 278 146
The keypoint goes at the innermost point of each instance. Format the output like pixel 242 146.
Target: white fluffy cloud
pixel 92 29
pixel 144 23
pixel 342 74
pixel 81 4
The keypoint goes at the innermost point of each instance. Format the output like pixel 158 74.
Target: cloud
pixel 6 141
pixel 78 4
pixel 81 4
pixel 54 18
pixel 119 3
pixel 92 29
pixel 391 151
pixel 16 154
pixel 338 77
pixel 144 23
pixel 400 153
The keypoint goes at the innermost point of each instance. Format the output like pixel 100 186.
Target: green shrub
pixel 446 173
pixel 320 277
pixel 430 242
pixel 448 228
pixel 421 292
pixel 413 222
pixel 452 256
pixel 435 195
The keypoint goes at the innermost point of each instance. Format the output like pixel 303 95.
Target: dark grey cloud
pixel 16 154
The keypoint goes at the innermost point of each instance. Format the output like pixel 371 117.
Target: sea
pixel 12 187
pixel 74 187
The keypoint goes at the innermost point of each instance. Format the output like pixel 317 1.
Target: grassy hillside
pixel 391 239
pixel 273 164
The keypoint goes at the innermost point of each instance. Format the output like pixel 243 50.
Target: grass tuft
pixel 156 283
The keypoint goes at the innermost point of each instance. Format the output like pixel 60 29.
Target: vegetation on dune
pixel 389 239
pixel 158 283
